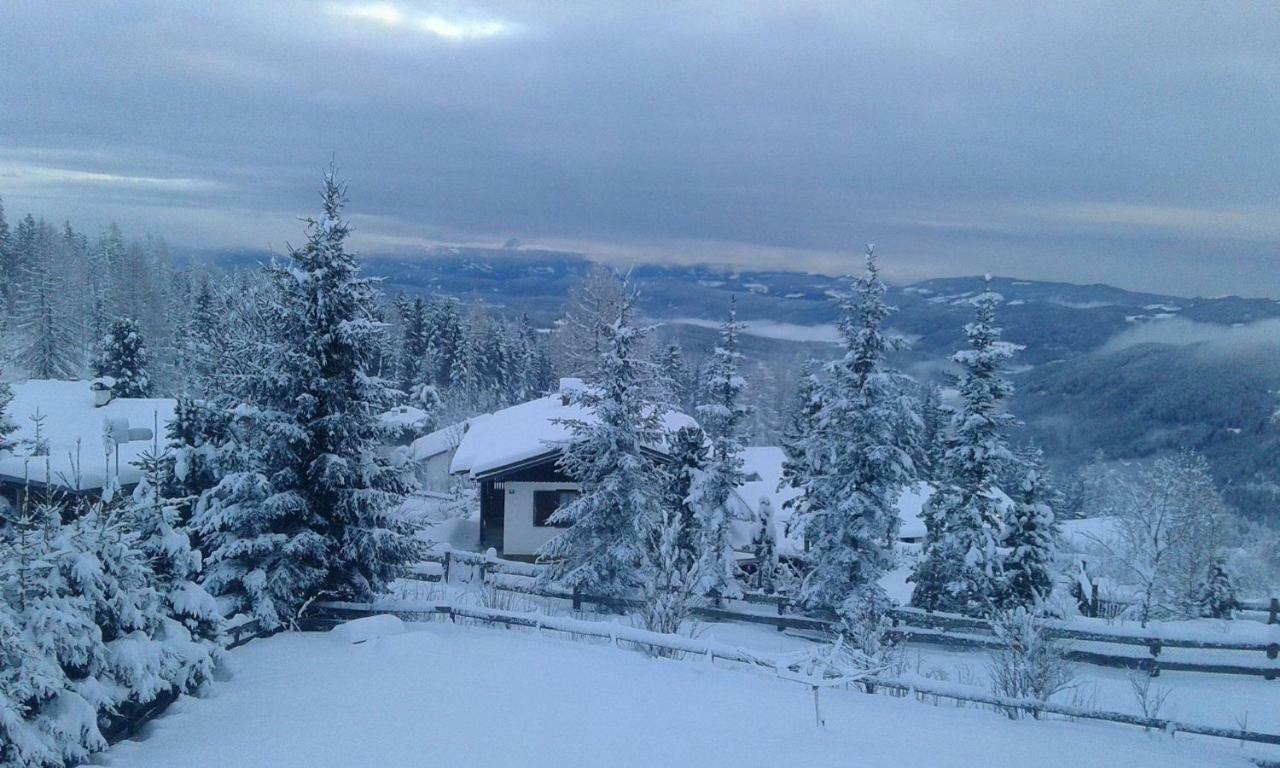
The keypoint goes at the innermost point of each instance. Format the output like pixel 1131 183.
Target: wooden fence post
pixel 1273 616
pixel 1273 651
pixel 1093 603
pixel 1155 658
pixel 447 557
pixel 577 598
pixel 782 605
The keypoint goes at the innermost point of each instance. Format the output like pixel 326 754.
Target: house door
pixel 492 515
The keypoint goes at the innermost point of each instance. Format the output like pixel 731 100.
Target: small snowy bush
pixel 1026 665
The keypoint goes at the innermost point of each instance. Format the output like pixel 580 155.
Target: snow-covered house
pixel 513 455
pixel 431 455
pixel 72 439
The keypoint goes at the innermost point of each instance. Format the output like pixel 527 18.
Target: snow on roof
pixel 440 441
pixel 71 417
pixel 527 431
pixel 404 416
pixel 1085 534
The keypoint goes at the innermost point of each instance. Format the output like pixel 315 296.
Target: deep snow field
pixel 445 695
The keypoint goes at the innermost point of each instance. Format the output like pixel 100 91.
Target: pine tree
pixel 933 437
pixel 580 338
pixel 1031 543
pixel 51 349
pixel 313 508
pixel 722 414
pixel 669 575
pixel 854 461
pixel 765 548
pixel 600 551
pixel 1218 596
pixel 415 344
pixel 193 629
pixel 7 427
pixel 961 567
pixel 122 356
pixel 688 449
pixel 676 377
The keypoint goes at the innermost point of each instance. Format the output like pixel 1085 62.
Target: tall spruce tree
pixel 722 414
pixel 854 461
pixel 310 508
pixel 961 569
pixel 122 355
pixel 600 551
pixel 1030 541
pixel 51 350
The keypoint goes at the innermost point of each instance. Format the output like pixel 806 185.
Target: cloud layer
pixel 1128 143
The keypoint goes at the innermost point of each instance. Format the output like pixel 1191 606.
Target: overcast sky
pixel 1130 143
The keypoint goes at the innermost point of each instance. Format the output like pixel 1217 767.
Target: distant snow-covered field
pixel 452 695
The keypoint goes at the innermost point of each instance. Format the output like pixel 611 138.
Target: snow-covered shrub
pixel 122 356
pixel 864 627
pixel 670 583
pixel 1026 665
pixel 1218 596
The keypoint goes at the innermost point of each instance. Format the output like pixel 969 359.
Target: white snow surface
pixel 456 695
pixel 70 417
pixel 526 431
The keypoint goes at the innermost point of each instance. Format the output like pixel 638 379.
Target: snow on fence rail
pixel 910 624
pixel 779 664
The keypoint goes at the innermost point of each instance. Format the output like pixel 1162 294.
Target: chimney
pixel 103 391
pixel 568 388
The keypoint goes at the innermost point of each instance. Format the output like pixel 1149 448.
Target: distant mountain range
pixel 1100 370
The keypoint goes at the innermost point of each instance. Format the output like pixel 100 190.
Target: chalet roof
pixel 530 432
pixel 73 429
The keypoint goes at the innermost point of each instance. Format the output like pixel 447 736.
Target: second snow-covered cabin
pixel 72 439
pixel 513 455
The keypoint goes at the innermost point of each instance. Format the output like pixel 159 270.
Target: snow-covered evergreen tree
pixel 722 414
pixel 765 548
pixel 676 377
pixel 600 550
pixel 688 449
pixel 7 427
pixel 310 508
pixel 580 339
pixel 122 356
pixel 933 438
pixel 1030 542
pixel 854 461
pixel 669 575
pixel 961 567
pixel 415 344
pixel 1218 596
pixel 192 631
pixel 51 349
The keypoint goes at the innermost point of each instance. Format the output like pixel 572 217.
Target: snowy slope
pixel 449 695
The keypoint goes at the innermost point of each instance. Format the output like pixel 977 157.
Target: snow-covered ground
pixel 455 695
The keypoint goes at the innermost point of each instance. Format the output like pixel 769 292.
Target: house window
pixel 545 504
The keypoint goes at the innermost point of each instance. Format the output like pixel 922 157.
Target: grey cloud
pixel 1129 143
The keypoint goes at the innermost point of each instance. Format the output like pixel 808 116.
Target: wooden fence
pixel 911 625
pixel 335 612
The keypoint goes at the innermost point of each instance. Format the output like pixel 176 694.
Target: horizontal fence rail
pixel 912 625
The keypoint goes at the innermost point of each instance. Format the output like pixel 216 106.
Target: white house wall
pixel 520 536
pixel 433 473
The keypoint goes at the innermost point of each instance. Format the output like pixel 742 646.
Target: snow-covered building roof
pixel 442 440
pixel 74 431
pixel 530 431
